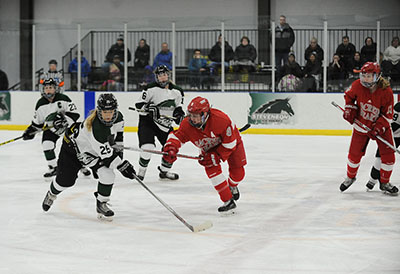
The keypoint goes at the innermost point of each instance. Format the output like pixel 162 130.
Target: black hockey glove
pixel 178 114
pixel 60 124
pixel 29 133
pixel 154 111
pixel 127 170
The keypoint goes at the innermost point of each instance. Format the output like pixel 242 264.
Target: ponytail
pixel 89 120
pixel 383 83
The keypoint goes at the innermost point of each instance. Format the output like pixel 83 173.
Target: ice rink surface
pixel 291 217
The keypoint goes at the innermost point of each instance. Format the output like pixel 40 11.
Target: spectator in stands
pixel 391 60
pixel 291 73
pixel 356 65
pixel 312 73
pixel 284 40
pixel 245 56
pixel 346 52
pixel 142 55
pixel 53 73
pixel 336 69
pixel 164 57
pixel 148 77
pixel 3 80
pixel 73 69
pixel 116 49
pixel 215 55
pixel 115 76
pixel 316 48
pixel 368 51
pixel 198 69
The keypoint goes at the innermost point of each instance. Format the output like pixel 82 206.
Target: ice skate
pixel 103 210
pixel 48 200
pixel 227 208
pixel 347 183
pixel 167 175
pixel 51 172
pixel 390 189
pixel 235 192
pixel 85 171
pixel 370 185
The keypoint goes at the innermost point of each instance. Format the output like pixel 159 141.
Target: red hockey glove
pixel 350 113
pixel 172 150
pixel 378 128
pixel 210 158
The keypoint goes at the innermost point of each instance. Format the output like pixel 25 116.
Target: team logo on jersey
pixel 369 112
pixel 277 110
pixel 207 143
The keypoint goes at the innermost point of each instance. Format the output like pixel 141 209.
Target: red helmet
pixel 199 105
pixel 370 67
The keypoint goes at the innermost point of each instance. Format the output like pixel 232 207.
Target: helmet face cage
pixel 107 101
pixel 200 106
pixel 48 82
pixel 162 69
pixel 372 68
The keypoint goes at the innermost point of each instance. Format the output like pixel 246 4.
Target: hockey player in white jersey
pixel 57 112
pixel 89 143
pixel 375 174
pixel 159 105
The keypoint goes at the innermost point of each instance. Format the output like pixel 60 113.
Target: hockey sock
pixel 165 166
pixel 386 172
pixel 236 175
pixel 55 188
pixel 104 190
pixel 50 157
pixel 352 168
pixel 222 187
pixel 375 175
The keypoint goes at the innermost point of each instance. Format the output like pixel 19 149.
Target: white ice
pixel 291 217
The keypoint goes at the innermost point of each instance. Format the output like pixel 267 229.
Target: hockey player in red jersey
pixel 213 132
pixel 370 100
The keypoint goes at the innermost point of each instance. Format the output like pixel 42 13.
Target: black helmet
pixel 107 101
pixel 48 82
pixel 161 69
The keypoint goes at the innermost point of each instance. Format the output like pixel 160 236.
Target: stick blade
pixel 203 226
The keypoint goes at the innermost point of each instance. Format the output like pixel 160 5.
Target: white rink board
pixel 311 111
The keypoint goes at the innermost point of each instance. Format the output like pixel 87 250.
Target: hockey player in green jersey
pixel 56 112
pixel 159 102
pixel 89 143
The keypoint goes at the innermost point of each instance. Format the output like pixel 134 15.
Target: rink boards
pixel 268 113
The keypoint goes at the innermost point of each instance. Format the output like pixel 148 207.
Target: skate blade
pixel 101 217
pixel 228 213
pixel 390 194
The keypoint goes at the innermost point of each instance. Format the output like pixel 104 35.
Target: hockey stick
pixel 22 136
pixel 155 152
pixel 198 228
pixel 368 129
pixel 143 111
pixel 244 128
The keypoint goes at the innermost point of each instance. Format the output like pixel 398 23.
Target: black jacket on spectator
pixel 247 52
pixel 291 68
pixel 318 50
pixel 312 68
pixel 284 38
pixel 368 53
pixel 3 80
pixel 346 53
pixel 215 53
pixel 335 72
pixel 142 56
pixel 117 50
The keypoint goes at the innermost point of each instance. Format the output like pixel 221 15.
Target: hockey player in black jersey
pixel 159 102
